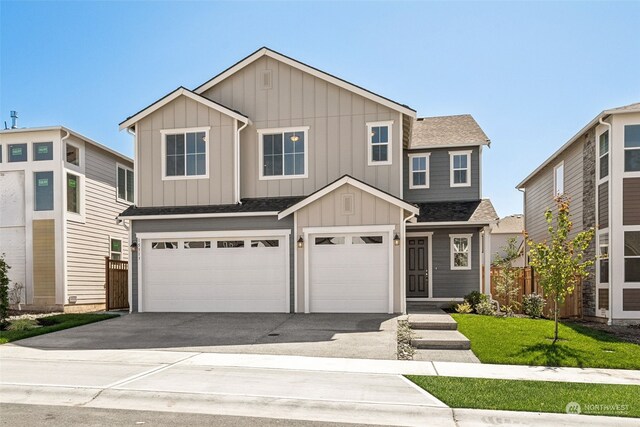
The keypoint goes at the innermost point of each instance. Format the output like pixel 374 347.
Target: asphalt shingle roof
pixel 512 224
pixel 447 131
pixel 472 211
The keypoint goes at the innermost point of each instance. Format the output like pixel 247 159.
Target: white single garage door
pixel 215 275
pixel 349 273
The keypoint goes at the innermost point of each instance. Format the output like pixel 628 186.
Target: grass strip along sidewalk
pixel 53 324
pixel 522 341
pixel 534 396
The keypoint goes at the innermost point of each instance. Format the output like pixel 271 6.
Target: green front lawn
pixel 533 396
pixel 53 324
pixel 520 341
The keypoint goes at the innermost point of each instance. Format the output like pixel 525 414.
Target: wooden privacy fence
pixel 116 284
pixel 528 283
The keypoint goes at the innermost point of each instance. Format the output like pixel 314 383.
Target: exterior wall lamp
pixel 396 240
pixel 134 247
pixel 300 243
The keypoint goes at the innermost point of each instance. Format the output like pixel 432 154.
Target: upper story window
pixel 558 180
pixel 73 193
pixel 603 258
pixel 72 155
pixel 42 151
pixel 125 183
pixel 632 148
pixel 379 143
pixel 419 170
pixel 43 191
pixel 283 153
pixel 460 251
pixel 632 256
pixel 603 154
pixel 17 153
pixel 460 166
pixel 185 153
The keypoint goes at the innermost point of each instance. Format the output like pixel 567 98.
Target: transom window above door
pixel 379 143
pixel 283 153
pixel 185 153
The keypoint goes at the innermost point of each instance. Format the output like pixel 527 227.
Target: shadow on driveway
pixel 369 336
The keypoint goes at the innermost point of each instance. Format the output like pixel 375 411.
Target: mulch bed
pixel 626 333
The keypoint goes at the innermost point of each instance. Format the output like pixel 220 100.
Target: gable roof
pixel 182 91
pixel 474 212
pixel 447 131
pixel 631 108
pixel 347 179
pixel 265 51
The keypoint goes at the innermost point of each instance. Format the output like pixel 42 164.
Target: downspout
pixel 237 162
pixel 610 129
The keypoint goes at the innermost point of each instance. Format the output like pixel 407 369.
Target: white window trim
pixel 460 153
pixel 599 158
pixel 427 156
pixel 556 193
pixel 627 285
pixel 126 168
pixel 71 166
pixel 164 133
pixel 269 131
pixel 469 251
pixel 121 248
pixel 79 216
pixel 627 174
pixel 389 124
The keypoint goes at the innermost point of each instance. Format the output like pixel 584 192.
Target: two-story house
pixel 599 171
pixel 276 187
pixel 59 195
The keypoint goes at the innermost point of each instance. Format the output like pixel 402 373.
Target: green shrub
pixel 532 305
pixel 485 308
pixel 4 292
pixel 464 308
pixel 22 325
pixel 474 298
pixel 48 321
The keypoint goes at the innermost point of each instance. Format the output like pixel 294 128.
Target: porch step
pixel 432 321
pixel 440 340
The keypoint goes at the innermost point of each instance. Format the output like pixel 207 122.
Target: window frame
pixel 111 251
pixel 26 151
pixel 79 158
pixel 79 214
pixel 51 185
pixel 272 131
pixel 389 143
pixel 452 155
pixel 118 198
pixel 627 173
pixel 600 155
pixel 452 251
pixel 628 229
pixel 427 170
pixel 34 152
pixel 556 193
pixel 163 151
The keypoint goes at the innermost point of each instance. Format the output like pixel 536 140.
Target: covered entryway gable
pixel 348 257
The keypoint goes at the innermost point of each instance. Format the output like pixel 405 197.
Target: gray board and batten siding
pixel 439 170
pixel 267 222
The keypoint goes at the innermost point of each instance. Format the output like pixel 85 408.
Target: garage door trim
pixel 379 229
pixel 140 237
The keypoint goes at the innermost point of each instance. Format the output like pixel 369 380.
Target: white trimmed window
pixel 603 155
pixel 72 154
pixel 632 256
pixel 419 170
pixel 460 166
pixel 283 153
pixel 379 143
pixel 558 180
pixel 185 154
pixel 632 148
pixel 603 258
pixel 460 251
pixel 125 184
pixel 115 249
pixel 73 193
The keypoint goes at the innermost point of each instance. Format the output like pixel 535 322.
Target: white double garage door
pixel 347 273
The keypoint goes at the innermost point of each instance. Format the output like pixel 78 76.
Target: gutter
pixel 610 129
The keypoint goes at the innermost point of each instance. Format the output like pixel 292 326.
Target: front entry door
pixel 417 267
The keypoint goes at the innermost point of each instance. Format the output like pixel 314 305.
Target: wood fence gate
pixel 116 284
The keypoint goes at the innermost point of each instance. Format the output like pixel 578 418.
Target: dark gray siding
pixel 211 224
pixel 631 201
pixel 603 205
pixel 449 283
pixel 439 177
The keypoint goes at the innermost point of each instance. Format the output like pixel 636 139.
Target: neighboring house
pixel 599 170
pixel 509 227
pixel 276 187
pixel 60 194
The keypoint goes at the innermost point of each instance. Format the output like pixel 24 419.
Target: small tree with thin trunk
pixel 508 279
pixel 561 262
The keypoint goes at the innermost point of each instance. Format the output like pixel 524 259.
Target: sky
pixel 531 73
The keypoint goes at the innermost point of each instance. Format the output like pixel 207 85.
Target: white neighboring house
pixel 60 193
pixel 511 226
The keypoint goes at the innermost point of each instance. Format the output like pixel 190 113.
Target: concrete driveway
pixel 364 336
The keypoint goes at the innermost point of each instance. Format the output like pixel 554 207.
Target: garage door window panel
pixel 367 240
pixel 197 245
pixel 164 245
pixel 224 244
pixel 329 240
pixel 265 243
